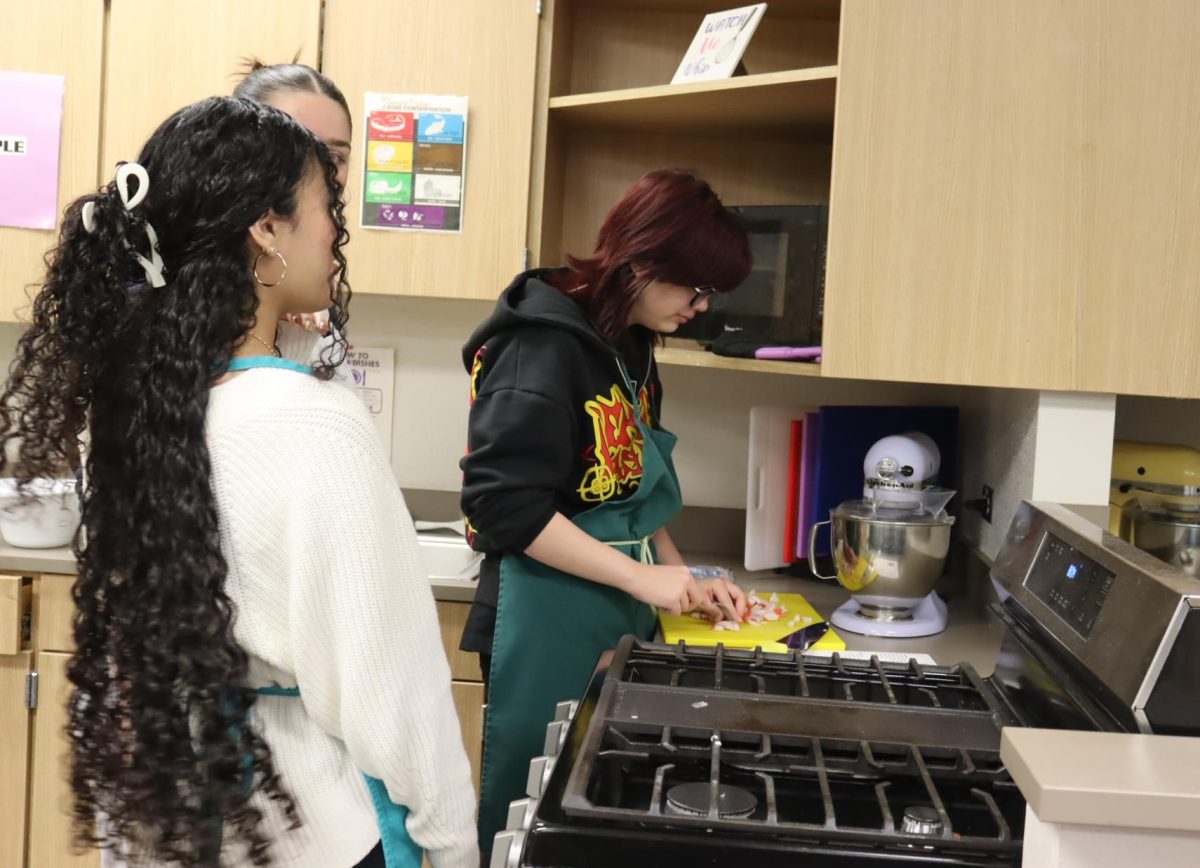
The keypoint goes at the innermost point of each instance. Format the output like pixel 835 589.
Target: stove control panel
pixel 1073 585
pixel 1107 611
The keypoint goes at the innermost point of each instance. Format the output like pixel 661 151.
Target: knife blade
pixel 806 637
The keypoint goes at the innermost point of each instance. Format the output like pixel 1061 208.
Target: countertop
pixel 971 635
pixel 61 561
pixel 15 560
pixel 1106 778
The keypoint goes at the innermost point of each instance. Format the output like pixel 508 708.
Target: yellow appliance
pixel 1158 473
pixel 1154 501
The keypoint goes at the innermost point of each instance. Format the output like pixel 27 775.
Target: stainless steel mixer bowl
pixel 888 560
pixel 1170 535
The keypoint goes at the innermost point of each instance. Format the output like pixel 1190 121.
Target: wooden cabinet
pixel 1014 196
pixel 60 37
pixel 162 56
pixel 15 594
pixel 35 795
pixel 1012 193
pixel 155 58
pixel 467 685
pixel 49 790
pixel 606 114
pixel 452 617
pixel 53 613
pixel 484 50
pixel 35 820
pixel 14 755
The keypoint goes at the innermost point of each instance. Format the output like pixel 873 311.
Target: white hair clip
pixel 154 265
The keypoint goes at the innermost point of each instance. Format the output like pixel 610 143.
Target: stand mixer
pixel 1154 501
pixel 890 547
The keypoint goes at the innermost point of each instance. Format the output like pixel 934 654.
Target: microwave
pixel 783 297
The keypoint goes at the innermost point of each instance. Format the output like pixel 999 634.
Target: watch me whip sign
pixel 13 146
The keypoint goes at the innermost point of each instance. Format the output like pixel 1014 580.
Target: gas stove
pixel 682 755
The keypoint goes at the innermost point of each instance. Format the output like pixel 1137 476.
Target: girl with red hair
pixel 568 483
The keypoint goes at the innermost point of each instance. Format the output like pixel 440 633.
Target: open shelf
pixel 703 359
pixel 828 10
pixel 791 100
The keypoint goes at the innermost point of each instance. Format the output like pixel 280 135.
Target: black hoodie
pixel 550 427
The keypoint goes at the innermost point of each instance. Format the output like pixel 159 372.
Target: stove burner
pixel 692 800
pixel 921 820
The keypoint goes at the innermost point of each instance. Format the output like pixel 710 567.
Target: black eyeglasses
pixel 700 293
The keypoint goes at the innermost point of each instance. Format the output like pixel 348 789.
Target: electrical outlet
pixel 982 504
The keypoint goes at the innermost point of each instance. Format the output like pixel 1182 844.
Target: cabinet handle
pixel 31 690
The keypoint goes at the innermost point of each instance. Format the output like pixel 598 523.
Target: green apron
pixel 552 627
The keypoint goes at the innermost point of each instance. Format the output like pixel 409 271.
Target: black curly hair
pixel 121 370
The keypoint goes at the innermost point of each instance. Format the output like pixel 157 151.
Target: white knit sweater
pixel 330 595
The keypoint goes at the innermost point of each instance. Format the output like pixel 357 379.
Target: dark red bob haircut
pixel 672 223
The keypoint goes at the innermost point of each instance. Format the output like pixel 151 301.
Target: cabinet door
pixel 484 50
pixel 49 793
pixel 1015 197
pixel 162 56
pixel 468 702
pixel 61 37
pixel 54 613
pixel 14 756
pixel 1137 72
pixel 14 607
pixel 959 220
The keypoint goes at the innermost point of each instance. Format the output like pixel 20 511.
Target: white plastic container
pixel 45 518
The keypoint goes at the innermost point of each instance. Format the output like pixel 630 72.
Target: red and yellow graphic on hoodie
pixel 476 370
pixel 618 447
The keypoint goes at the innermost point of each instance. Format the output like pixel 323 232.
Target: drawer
pixel 53 613
pixel 15 594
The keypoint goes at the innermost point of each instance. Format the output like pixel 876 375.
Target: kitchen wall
pixel 709 409
pixel 998 432
pixel 1159 420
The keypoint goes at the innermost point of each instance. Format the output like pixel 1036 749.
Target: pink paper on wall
pixel 31 107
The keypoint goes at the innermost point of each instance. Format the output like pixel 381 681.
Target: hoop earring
pixel 270 251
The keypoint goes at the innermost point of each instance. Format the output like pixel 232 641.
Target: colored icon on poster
pixel 413 217
pixel 437 189
pixel 393 188
pixel 389 156
pixel 442 128
pixel 390 126
pixel 438 158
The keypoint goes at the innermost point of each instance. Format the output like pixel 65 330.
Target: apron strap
pixel 246 363
pixel 645 555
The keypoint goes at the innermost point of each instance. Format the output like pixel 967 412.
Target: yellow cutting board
pixel 694 631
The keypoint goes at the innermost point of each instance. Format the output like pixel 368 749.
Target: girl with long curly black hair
pixel 250 685
pixel 309 96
